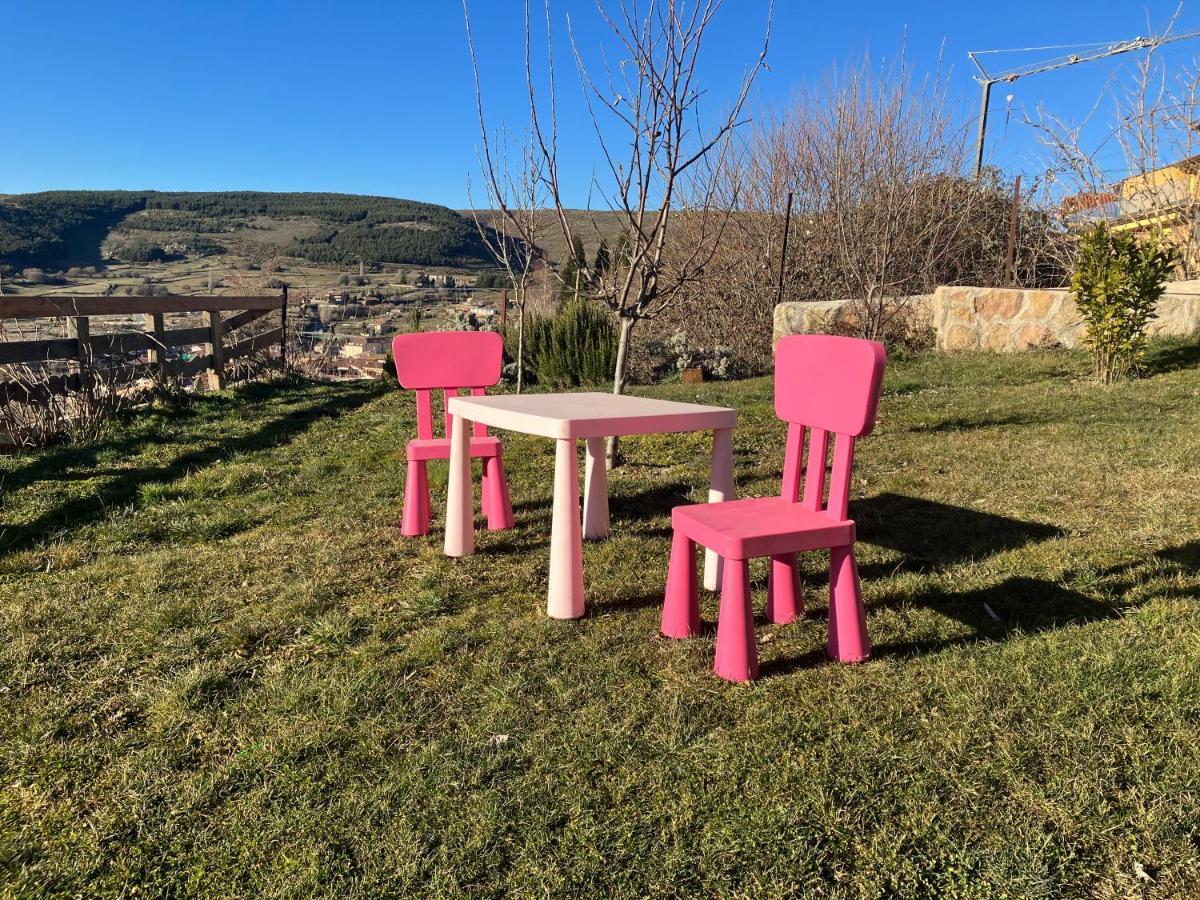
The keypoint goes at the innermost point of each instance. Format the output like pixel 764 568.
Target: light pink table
pixel 566 418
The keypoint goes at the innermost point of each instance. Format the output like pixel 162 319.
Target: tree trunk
pixel 612 453
pixel 521 344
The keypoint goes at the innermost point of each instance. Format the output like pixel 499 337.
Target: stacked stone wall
pixel 1002 320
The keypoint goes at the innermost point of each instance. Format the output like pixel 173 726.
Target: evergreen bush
pixel 578 346
pixel 1117 284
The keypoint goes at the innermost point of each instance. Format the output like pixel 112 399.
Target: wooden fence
pixel 82 349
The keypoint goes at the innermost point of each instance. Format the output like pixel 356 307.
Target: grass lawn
pixel 223 671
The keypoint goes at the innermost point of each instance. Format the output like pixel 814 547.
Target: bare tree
pixel 882 210
pixel 1150 189
pixel 509 228
pixel 658 154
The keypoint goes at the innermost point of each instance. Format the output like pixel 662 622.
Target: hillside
pixel 590 226
pixel 60 229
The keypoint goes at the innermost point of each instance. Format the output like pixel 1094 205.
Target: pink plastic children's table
pixel 566 418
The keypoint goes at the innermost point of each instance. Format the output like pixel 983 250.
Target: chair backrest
pixel 825 385
pixel 448 361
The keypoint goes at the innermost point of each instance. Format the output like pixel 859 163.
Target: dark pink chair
pixel 825 385
pixel 449 361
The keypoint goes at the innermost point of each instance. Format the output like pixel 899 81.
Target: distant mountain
pixel 590 226
pixel 76 228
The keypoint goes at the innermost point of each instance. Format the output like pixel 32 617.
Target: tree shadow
pixel 124 489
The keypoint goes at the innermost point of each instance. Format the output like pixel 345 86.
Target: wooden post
pixel 1011 256
pixel 216 329
pixel 504 312
pixel 283 334
pixel 158 353
pixel 79 328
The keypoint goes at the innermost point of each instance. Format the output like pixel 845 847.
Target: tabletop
pixel 590 414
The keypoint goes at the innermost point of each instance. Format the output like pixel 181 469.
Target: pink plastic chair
pixel 825 385
pixel 449 361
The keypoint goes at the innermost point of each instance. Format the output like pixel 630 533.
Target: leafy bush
pixel 578 346
pixel 1117 284
pixel 37 276
pixel 389 368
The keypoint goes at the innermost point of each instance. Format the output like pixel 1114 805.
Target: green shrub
pixel 1117 284
pixel 389 367
pixel 578 346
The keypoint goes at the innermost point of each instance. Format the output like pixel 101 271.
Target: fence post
pixel 216 334
pixel 79 328
pixel 283 332
pixel 158 353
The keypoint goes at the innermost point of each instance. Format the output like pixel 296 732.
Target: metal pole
pixel 787 225
pixel 983 116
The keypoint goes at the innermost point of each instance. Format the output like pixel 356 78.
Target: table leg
pixel 595 492
pixel 565 599
pixel 460 504
pixel 720 487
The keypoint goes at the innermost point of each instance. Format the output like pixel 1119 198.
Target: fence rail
pixel 81 348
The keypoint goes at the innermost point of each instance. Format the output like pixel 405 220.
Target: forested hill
pixel 62 228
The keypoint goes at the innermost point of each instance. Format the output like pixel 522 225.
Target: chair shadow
pixel 932 535
pixel 125 488
pixel 1186 556
pixel 959 423
pixel 1017 606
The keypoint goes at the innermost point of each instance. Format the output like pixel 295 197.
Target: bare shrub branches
pixel 874 159
pixel 1150 190
pixel 658 154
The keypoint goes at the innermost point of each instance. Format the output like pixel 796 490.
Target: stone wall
pixel 1002 320
pixel 835 315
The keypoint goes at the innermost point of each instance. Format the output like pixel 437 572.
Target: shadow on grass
pixel 1186 556
pixel 1017 606
pixel 1170 357
pixel 125 485
pixel 931 535
pixel 958 424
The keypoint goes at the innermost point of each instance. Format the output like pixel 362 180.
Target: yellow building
pixel 1163 202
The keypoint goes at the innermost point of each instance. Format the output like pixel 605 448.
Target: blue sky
pixel 377 97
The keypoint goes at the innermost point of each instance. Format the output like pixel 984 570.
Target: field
pixel 224 673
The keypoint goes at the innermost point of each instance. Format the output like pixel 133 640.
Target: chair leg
pixel 681 605
pixel 496 504
pixel 848 641
pixel 737 658
pixel 484 498
pixel 785 600
pixel 414 521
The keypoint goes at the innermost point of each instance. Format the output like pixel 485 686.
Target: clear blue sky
pixel 377 97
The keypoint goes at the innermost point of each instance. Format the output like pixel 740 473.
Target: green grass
pixel 223 671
